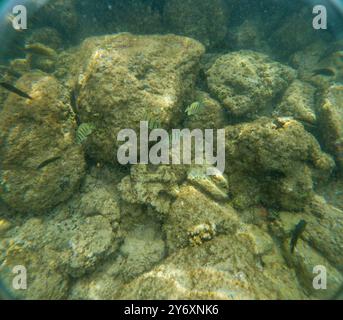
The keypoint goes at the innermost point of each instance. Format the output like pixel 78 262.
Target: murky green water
pixel 171 149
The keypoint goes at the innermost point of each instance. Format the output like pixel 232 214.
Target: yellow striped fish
pixel 194 108
pixel 83 131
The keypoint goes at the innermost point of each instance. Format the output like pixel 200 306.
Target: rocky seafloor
pixel 86 227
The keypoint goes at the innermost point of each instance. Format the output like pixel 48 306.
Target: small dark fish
pixel 296 233
pixel 329 72
pixel 46 162
pixel 15 90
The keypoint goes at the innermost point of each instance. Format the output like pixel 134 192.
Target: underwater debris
pixel 327 72
pixel 47 162
pixel 15 90
pixel 296 233
pixel 83 131
pixel 40 49
pixel 194 108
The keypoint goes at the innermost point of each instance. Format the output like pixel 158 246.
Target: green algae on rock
pixel 299 103
pixel 246 82
pixel 31 132
pixel 273 165
pixel 220 269
pixel 106 231
pixel 136 78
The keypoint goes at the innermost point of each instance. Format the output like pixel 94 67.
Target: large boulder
pixel 75 239
pixel 125 79
pixel 319 245
pixel 274 162
pixel 299 103
pixel 54 250
pixel 40 163
pixel 246 82
pixel 233 267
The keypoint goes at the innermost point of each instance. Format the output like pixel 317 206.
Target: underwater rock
pixel 307 60
pixel 305 260
pixel 56 248
pixel 141 251
pixel 50 37
pixel 38 62
pixel 154 186
pixel 210 116
pixel 91 242
pixel 98 195
pixel 320 244
pixel 328 70
pixel 325 232
pixel 320 63
pixel 32 132
pixel 25 247
pixel 139 254
pixel 142 247
pixel 225 268
pixel 298 102
pixel 331 122
pixel 125 79
pixel 273 163
pixel 246 82
pixel 203 20
pixel 215 186
pixel 250 35
pixel 193 215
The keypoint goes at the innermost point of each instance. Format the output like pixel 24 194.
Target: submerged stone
pixel 125 79
pixel 32 132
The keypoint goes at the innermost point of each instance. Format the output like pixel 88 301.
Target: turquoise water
pixel 171 149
